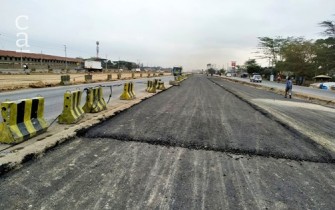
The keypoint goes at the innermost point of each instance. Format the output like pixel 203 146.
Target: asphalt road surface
pixel 54 96
pixel 311 117
pixel 327 94
pixel 196 146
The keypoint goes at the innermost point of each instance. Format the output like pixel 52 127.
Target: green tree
pixel 330 28
pixel 325 55
pixel 252 66
pixel 211 71
pixel 298 57
pixel 271 48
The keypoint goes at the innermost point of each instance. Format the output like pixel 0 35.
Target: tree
pixel 330 28
pixel 252 66
pixel 211 71
pixel 298 57
pixel 325 49
pixel 271 48
pixel 325 55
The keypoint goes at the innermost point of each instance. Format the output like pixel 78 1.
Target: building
pixel 15 60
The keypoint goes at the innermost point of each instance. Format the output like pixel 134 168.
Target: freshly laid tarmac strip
pixel 196 146
pixel 314 120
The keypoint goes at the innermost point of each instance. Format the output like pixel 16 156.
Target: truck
pixel 90 65
pixel 177 70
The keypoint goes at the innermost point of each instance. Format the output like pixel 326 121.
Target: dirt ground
pixel 13 82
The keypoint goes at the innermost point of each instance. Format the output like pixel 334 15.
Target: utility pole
pixel 106 61
pixel 97 42
pixel 41 59
pixel 21 58
pixel 65 58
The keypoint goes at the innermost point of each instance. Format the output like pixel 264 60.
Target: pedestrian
pixel 278 79
pixel 288 89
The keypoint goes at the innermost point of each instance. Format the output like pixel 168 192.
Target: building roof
pixel 15 54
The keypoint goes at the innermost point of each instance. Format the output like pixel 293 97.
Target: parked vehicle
pixel 256 78
pixel 93 65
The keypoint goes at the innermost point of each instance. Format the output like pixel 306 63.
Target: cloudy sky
pixel 164 33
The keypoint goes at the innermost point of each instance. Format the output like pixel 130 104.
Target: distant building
pixel 13 60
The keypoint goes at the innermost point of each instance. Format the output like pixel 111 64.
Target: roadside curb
pixel 16 157
pixel 288 124
pixel 310 98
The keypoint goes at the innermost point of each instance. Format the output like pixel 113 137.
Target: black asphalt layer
pixel 113 174
pixel 201 115
pixel 191 147
pixel 318 119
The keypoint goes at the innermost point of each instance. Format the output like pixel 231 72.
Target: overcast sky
pixel 190 33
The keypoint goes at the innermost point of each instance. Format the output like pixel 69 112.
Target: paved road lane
pixel 330 95
pixel 313 118
pixel 201 114
pixel 166 153
pixel 54 96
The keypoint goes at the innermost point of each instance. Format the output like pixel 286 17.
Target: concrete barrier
pixel 72 111
pixel 161 86
pixel 152 88
pixel 22 120
pixel 94 100
pixel 148 86
pixel 125 94
pixel 128 91
pixel 65 80
pixel 109 77
pixel 88 78
pixel 131 90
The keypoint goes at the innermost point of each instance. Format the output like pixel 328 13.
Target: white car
pixel 256 78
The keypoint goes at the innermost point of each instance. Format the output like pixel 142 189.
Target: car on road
pixel 256 78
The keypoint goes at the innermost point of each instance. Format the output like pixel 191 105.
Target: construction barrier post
pixel 94 100
pixel 152 88
pixel 88 78
pixel 65 80
pixel 133 75
pixel 149 85
pixel 161 86
pixel 109 77
pixel 72 111
pixel 125 95
pixel 22 120
pixel 131 90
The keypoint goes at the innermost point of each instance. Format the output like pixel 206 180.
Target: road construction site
pixel 206 144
